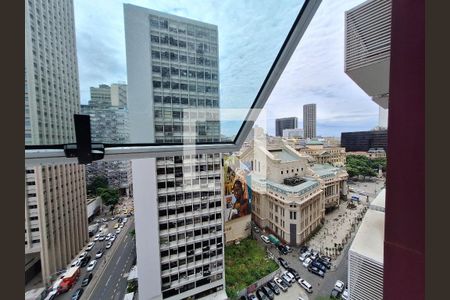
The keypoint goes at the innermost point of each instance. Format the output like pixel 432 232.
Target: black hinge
pixel 84 150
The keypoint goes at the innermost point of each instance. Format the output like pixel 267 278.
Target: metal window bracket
pixel 84 150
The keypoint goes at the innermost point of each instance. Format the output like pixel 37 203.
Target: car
pixel 282 249
pixel 274 287
pixel 91 265
pixel 86 280
pixel 280 284
pixel 77 294
pixel 316 271
pixel 112 238
pixel 118 230
pixel 252 297
pixel 269 293
pixel 125 220
pixel 112 218
pixel 334 294
pixel 295 273
pixel 300 298
pixel 286 279
pixel 108 245
pixel 90 246
pixel 290 276
pixel 85 261
pixel 326 258
pixel 75 263
pixel 339 286
pixel 307 262
pixel 108 236
pixel 256 229
pixel 345 295
pixel 303 256
pixel 318 265
pixel 101 238
pixel 303 249
pixel 306 285
pixel 99 253
pixel 121 225
pixel 116 225
pixel 314 254
pixel 260 295
pixel 326 263
pixel 82 255
pixel 283 262
pixel 96 237
pixel 288 249
pixel 265 239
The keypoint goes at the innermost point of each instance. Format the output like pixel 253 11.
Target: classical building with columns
pixel 324 154
pixel 290 193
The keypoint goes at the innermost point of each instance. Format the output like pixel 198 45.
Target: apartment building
pixel 178 199
pixel 55 195
pixel 110 124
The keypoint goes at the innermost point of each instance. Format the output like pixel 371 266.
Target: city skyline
pixel 343 105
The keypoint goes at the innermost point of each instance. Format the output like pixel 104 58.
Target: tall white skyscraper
pixel 309 120
pixel 173 97
pixel 55 195
pixel 383 117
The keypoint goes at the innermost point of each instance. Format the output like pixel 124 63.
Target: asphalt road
pixel 109 266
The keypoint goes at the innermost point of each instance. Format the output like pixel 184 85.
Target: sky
pixel 250 36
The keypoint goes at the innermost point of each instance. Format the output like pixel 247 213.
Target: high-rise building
pixel 364 140
pixel 309 120
pixel 109 124
pixel 173 96
pixel 383 118
pixel 55 195
pixel 285 123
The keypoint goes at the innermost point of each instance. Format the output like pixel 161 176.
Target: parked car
pixel 303 249
pixel 99 253
pixel 121 225
pixel 290 276
pixel 86 280
pixel 306 285
pixel 96 237
pixel 118 230
pixel 326 263
pixel 269 293
pixel 316 271
pixel 303 256
pixel 345 295
pixel 85 261
pixel 339 286
pixel 101 237
pixel 90 246
pixel 295 273
pixel 274 287
pixel 77 294
pixel 260 295
pixel 286 279
pixel 283 262
pixel 314 254
pixel 288 249
pixel 265 239
pixel 108 245
pixel 282 249
pixel 280 284
pixel 125 220
pixel 116 225
pixel 318 265
pixel 252 297
pixel 334 294
pixel 307 262
pixel 91 265
pixel 112 238
pixel 256 229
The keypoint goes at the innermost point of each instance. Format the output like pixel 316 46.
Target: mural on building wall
pixel 238 195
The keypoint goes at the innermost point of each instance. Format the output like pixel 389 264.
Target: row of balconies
pixel 195 264
pixel 182 229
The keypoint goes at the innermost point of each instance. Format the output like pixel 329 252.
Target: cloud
pixel 250 36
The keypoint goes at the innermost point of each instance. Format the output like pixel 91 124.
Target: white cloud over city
pixel 250 35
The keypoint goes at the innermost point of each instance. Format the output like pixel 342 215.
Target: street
pixel 109 279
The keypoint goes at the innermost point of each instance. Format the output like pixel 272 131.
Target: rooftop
pixel 369 240
pixel 306 186
pixel 283 155
pixel 324 170
pixel 379 203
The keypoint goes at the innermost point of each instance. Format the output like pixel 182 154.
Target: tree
pixel 360 165
pixel 97 182
pixel 109 196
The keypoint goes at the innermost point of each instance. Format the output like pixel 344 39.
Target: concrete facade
pixel 285 123
pixel 309 120
pixel 179 232
pixel 55 195
pixel 324 155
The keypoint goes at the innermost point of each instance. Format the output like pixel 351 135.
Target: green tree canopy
pixel 109 196
pixel 362 165
pixel 97 182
